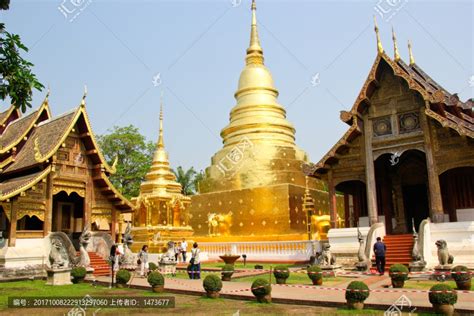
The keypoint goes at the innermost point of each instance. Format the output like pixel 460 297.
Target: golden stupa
pixel 161 209
pixel 255 186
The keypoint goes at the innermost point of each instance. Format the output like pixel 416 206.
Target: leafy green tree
pixel 187 179
pixel 16 79
pixel 134 156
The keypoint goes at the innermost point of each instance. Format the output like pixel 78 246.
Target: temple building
pixel 254 187
pixel 161 209
pixel 53 179
pixel 408 153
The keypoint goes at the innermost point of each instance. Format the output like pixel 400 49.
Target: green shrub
pixel 152 266
pixel 315 272
pixel 281 272
pixel 398 272
pixel 212 283
pixel 361 293
pixel 123 276
pixel 261 287
pixel 155 278
pixel 449 296
pixel 78 272
pixel 465 274
pixel 228 270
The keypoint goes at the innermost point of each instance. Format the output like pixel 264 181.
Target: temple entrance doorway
pixel 68 214
pixel 402 190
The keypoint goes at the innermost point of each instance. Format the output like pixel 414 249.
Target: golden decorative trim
pixel 39 178
pixel 26 212
pixel 69 189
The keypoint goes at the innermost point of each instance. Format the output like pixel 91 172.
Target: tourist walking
pixel 379 250
pixel 143 260
pixel 177 251
pixel 184 246
pixel 195 262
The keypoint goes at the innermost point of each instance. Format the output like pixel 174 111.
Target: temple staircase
pixel 100 265
pixel 399 248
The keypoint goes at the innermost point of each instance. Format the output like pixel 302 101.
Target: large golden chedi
pixel 254 187
pixel 161 212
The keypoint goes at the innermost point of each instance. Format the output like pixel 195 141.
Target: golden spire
pixel 83 101
pixel 160 137
pixel 46 98
pixel 254 52
pixel 379 43
pixel 412 59
pixel 396 54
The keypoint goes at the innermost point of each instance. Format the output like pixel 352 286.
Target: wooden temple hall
pixel 408 153
pixel 53 176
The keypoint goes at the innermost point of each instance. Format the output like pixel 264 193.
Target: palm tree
pixel 186 179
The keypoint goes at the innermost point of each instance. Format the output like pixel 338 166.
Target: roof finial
pixel 160 137
pixel 412 59
pixel 46 98
pixel 254 52
pixel 396 54
pixel 83 102
pixel 379 43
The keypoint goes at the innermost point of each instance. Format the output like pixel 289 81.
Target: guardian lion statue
pixel 326 258
pixel 444 258
pixel 56 257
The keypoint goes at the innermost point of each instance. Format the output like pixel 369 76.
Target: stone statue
pixel 444 258
pixel 127 261
pixel 326 258
pixel 362 264
pixel 418 263
pixel 57 259
pixel 84 239
pixel 169 256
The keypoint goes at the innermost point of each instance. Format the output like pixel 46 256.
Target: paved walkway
pixel 380 298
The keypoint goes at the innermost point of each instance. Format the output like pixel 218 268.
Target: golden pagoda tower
pixel 162 210
pixel 254 188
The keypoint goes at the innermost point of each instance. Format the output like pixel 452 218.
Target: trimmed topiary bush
pixel 442 294
pixel 78 274
pixel 460 274
pixel 399 274
pixel 123 276
pixel 315 274
pixel 212 283
pixel 281 273
pixel 152 266
pixel 262 290
pixel 155 278
pixel 227 272
pixel 357 291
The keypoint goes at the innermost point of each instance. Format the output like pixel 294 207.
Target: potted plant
pixel 152 266
pixel 78 274
pixel 189 271
pixel 443 298
pixel 315 274
pixel 281 273
pixel 399 274
pixel 122 277
pixel 356 293
pixel 262 290
pixel 229 258
pixel 212 284
pixel 227 272
pixel 157 281
pixel 462 276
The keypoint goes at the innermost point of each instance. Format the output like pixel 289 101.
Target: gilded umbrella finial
pixel 254 52
pixel 412 59
pixel 83 101
pixel 396 54
pixel 46 98
pixel 379 43
pixel 160 138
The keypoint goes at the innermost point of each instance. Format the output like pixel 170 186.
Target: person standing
pixel 195 262
pixel 380 249
pixel 143 260
pixel 176 251
pixel 184 246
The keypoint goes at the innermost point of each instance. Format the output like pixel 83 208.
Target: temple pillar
pixel 88 203
pixel 370 174
pixel 48 212
pixel 113 226
pixel 120 227
pixel 332 200
pixel 13 223
pixel 436 202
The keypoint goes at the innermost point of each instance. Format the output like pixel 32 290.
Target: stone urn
pixel 229 259
pixel 464 285
pixel 318 281
pixel 158 288
pixel 444 309
pixel 398 284
pixel 264 298
pixel 355 305
pixel 212 294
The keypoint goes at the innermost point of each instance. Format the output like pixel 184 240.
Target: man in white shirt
pixel 184 246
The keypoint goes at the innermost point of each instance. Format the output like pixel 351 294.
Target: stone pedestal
pixel 417 266
pixel 441 273
pixel 89 275
pixel 58 276
pixel 168 267
pixel 362 266
pixel 330 270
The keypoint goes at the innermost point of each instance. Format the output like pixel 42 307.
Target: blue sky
pixel 198 48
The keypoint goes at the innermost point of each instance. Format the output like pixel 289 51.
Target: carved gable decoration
pixel 382 126
pixel 409 122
